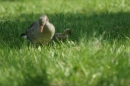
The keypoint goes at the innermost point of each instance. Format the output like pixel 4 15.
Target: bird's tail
pixel 24 35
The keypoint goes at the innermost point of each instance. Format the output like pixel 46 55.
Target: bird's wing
pixel 25 33
pixel 31 26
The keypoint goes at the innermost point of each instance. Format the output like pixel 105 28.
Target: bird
pixel 62 36
pixel 41 31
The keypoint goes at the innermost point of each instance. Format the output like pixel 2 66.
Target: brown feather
pixel 62 36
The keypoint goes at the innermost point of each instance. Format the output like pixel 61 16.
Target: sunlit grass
pixel 96 54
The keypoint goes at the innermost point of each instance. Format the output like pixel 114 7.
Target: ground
pixel 96 54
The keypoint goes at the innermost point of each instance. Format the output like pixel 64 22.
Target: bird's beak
pixel 41 28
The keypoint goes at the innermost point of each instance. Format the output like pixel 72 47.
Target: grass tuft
pixel 96 54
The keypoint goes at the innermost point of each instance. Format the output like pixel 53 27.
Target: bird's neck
pixel 47 23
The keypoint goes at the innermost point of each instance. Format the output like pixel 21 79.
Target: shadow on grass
pixel 31 76
pixel 113 26
pixel 36 79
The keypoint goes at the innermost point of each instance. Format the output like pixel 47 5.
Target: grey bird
pixel 41 31
pixel 61 36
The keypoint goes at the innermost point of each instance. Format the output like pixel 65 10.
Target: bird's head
pixel 42 21
pixel 68 31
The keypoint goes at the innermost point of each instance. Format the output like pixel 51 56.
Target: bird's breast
pixel 34 33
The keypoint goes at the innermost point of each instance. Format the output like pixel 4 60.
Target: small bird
pixel 61 36
pixel 41 31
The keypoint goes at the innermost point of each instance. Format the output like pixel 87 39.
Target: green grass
pixel 96 54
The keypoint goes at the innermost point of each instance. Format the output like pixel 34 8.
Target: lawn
pixel 96 54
